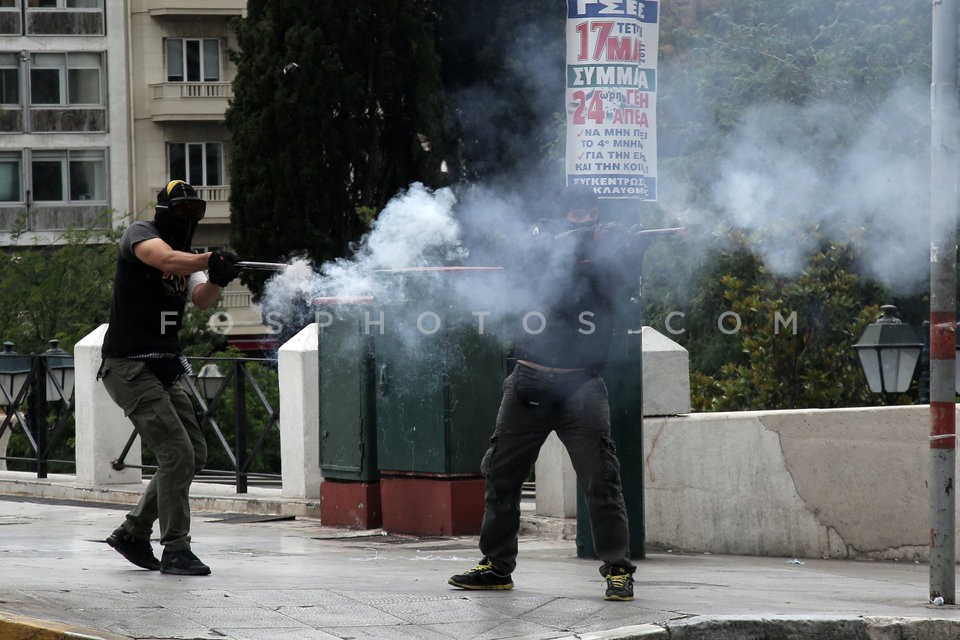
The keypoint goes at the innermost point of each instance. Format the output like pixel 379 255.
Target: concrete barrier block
pixel 297 366
pixel 101 428
pixel 827 483
pixel 556 484
pixel 666 375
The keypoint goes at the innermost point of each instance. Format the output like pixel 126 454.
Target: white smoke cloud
pixel 417 228
pixel 792 175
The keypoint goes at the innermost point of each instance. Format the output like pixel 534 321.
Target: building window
pixel 199 163
pixel 68 176
pixel 193 60
pixel 9 78
pixel 66 78
pixel 9 4
pixel 10 190
pixel 63 4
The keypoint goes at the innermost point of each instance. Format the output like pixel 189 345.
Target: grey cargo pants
pixel 165 419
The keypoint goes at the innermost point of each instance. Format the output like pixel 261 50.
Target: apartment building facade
pixel 64 131
pixel 102 102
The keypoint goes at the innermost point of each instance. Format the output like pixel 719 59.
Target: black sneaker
pixel 482 576
pixel 182 563
pixel 139 552
pixel 619 584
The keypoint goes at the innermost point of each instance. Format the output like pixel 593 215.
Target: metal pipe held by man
pixel 658 232
pixel 262 266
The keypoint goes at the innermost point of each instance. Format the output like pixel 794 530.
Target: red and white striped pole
pixel 943 303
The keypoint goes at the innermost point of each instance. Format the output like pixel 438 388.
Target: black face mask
pixel 176 232
pixel 581 226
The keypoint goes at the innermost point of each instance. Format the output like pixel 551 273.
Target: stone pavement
pixel 285 577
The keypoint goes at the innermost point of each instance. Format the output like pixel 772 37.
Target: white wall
pixel 839 483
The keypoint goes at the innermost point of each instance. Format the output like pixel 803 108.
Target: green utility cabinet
pixel 348 414
pixel 439 371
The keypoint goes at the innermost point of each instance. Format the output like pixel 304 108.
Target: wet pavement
pixel 285 577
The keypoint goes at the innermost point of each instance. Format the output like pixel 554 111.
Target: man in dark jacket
pixel 557 386
pixel 143 362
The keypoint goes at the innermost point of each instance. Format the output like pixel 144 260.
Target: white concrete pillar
pixel 297 365
pixel 666 391
pixel 555 481
pixel 666 375
pixel 102 429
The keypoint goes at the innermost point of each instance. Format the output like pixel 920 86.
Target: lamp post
pixel 61 370
pixel 210 382
pixel 943 299
pixel 14 371
pixel 210 379
pixel 53 375
pixel 889 351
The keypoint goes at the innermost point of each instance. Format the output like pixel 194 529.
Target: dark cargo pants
pixel 165 419
pixel 574 405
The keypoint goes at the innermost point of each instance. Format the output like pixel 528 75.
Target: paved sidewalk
pixel 295 579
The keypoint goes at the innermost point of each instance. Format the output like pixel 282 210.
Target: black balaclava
pixel 580 207
pixel 179 210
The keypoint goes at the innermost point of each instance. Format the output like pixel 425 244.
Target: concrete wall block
pixel 666 375
pixel 101 428
pixel 556 481
pixel 297 364
pixel 840 483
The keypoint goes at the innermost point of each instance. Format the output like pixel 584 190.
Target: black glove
pixel 222 266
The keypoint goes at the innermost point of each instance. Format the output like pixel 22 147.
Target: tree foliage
pixel 336 108
pixel 721 61
pixel 503 75
pixel 794 337
pixel 61 291
pixel 382 94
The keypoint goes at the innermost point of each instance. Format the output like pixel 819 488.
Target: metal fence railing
pixel 36 392
pixel 226 390
pixel 236 399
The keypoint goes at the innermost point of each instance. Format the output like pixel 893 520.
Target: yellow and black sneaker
pixel 482 576
pixel 619 584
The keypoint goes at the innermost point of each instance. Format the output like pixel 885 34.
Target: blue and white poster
pixel 611 97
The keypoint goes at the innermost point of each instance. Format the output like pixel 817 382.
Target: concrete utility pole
pixel 943 303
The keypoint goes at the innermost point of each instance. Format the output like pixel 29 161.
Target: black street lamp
pixel 889 351
pixel 14 372
pixel 210 379
pixel 60 368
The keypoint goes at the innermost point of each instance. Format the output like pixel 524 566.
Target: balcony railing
pixel 187 90
pixel 186 101
pixel 215 193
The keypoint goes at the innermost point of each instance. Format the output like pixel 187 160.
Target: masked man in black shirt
pixel 143 362
pixel 561 349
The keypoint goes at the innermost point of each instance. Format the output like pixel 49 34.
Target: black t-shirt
pixel 574 278
pixel 148 305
